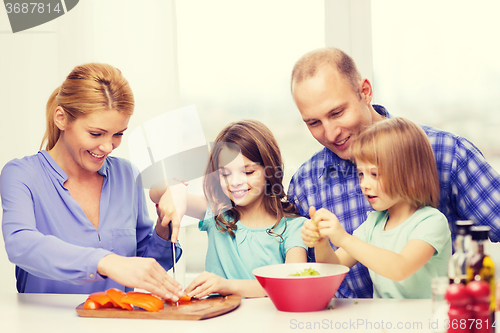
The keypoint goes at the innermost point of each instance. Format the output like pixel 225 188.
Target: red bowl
pixel 300 293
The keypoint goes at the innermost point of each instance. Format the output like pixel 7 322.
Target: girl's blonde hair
pixel 405 160
pixel 88 88
pixel 256 142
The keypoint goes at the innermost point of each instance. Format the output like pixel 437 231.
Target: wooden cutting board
pixel 194 310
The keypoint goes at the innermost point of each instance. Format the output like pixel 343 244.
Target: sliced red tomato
pixel 145 301
pixel 116 296
pixel 153 298
pixel 182 299
pixel 91 305
pixel 102 298
pixel 185 298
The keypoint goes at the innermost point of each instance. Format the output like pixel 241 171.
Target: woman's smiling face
pixel 241 180
pixel 88 140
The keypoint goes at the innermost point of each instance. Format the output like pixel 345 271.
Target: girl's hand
pixel 138 272
pixel 329 225
pixel 310 233
pixel 207 283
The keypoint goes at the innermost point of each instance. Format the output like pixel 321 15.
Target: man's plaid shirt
pixel 470 190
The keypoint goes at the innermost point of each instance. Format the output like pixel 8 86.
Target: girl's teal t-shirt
pixel 236 257
pixel 427 224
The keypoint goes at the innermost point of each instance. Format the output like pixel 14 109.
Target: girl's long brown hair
pixel 88 88
pixel 257 143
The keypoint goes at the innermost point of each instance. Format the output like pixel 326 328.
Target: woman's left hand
pixel 207 283
pixel 170 208
pixel 164 229
pixel 138 272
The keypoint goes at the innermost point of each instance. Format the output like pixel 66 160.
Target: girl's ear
pixel 366 91
pixel 60 118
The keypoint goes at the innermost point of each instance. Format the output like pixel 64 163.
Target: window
pixel 235 61
pixel 436 63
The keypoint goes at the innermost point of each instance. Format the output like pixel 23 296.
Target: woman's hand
pixel 171 205
pixel 207 283
pixel 138 272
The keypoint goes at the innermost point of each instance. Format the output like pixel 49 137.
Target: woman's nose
pixel 106 146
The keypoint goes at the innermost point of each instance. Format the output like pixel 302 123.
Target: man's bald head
pixel 310 63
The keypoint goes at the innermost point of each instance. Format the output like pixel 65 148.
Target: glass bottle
pixel 497 292
pixel 457 265
pixel 481 266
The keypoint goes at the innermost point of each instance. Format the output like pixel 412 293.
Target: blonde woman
pixel 74 220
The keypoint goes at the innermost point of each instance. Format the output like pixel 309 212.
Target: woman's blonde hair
pixel 88 88
pixel 256 142
pixel 405 160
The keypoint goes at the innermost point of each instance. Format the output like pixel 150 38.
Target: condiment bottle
pixel 459 299
pixel 497 289
pixel 457 265
pixel 479 308
pixel 481 266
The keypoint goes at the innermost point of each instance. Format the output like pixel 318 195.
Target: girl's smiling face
pixel 87 141
pixel 372 187
pixel 241 180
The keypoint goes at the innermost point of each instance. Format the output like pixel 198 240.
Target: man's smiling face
pixel 334 113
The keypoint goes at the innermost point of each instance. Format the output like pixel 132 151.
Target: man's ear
pixel 60 118
pixel 365 90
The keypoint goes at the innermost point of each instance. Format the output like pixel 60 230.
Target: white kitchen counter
pixel 28 313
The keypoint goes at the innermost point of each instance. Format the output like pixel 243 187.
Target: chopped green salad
pixel 306 272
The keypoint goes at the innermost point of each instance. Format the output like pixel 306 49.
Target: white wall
pixel 140 40
pixel 348 26
pixel 137 39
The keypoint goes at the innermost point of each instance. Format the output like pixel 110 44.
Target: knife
pixel 150 153
pixel 171 226
pixel 173 260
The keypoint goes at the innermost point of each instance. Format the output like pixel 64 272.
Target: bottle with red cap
pixel 459 315
pixel 481 281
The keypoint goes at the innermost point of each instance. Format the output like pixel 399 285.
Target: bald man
pixel 335 102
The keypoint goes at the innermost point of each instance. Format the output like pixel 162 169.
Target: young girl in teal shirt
pixel 249 221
